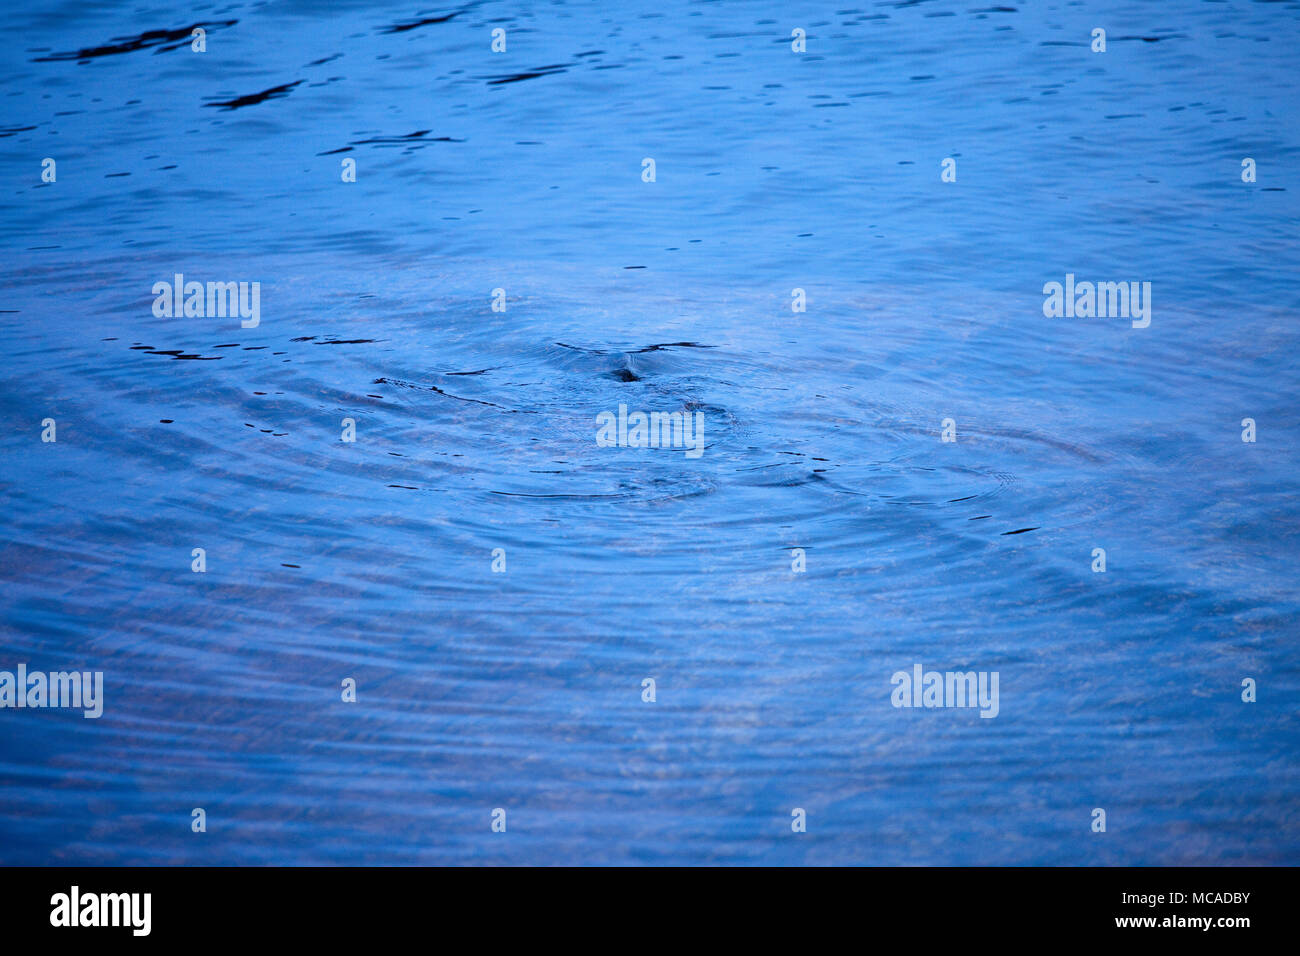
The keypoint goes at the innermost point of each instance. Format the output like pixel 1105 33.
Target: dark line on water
pixel 251 99
pixel 143 41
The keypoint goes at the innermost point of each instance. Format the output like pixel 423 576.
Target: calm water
pixel 475 430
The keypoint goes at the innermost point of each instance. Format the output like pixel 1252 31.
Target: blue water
pixel 475 430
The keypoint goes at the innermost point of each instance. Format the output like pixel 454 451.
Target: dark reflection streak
pixel 515 78
pixel 150 38
pixel 403 27
pixel 251 99
pixel 434 388
pixel 647 348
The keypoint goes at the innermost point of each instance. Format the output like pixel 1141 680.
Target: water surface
pixel 475 431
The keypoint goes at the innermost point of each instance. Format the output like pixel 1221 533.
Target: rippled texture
pixel 476 431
